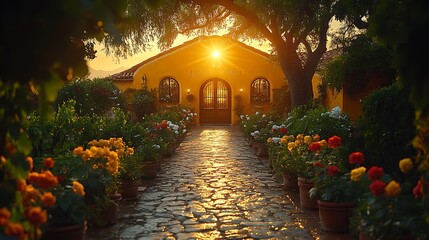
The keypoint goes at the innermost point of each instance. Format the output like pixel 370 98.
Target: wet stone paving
pixel 213 187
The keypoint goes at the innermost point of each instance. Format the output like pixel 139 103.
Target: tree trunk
pixel 300 83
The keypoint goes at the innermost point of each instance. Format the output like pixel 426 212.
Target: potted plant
pixel 393 209
pixel 334 188
pixel 130 172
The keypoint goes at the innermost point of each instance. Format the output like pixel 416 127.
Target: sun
pixel 216 54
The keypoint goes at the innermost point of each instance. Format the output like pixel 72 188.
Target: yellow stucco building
pixel 213 75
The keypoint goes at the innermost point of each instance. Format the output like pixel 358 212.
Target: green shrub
pixel 143 103
pixel 310 120
pixel 387 128
pixel 96 96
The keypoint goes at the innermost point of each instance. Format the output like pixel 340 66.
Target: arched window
pixel 260 91
pixel 168 90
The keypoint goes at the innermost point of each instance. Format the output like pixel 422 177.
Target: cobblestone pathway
pixel 213 187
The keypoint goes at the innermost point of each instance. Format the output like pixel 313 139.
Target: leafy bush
pixel 143 103
pixel 387 127
pixel 363 59
pixel 96 96
pixel 309 120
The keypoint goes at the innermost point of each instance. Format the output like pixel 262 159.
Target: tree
pixel 297 29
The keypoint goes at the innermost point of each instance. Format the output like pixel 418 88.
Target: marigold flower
pixel 48 199
pixel 405 165
pixel 375 173
pixel 36 215
pixel 44 179
pixel 21 184
pixel 393 189
pixel 356 158
pixel 284 139
pixel 316 137
pixel 334 141
pixel 377 187
pixel 113 156
pixel 48 162
pixel 29 161
pixel 87 155
pixel 78 151
pixel 300 137
pixel 130 151
pixel 323 143
pixel 31 194
pixel 333 170
pixel 357 174
pixel 4 216
pixel 314 146
pixel 308 139
pixel 120 152
pixel 16 230
pixel 269 140
pixel 78 188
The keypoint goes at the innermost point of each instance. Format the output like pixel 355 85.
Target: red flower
pixel 418 190
pixel 377 187
pixel 356 158
pixel 332 170
pixel 314 146
pixel 375 173
pixel 283 130
pixel 48 162
pixel 317 164
pixel 334 141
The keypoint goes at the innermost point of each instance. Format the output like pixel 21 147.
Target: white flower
pixel 264 115
pixel 156 146
pixel 176 132
pixel 256 113
pixel 247 117
pixel 184 130
pixel 276 139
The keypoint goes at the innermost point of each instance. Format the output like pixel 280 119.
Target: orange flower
pixel 48 162
pixel 45 179
pixel 78 188
pixel 36 215
pixel 16 230
pixel 30 163
pixel 2 160
pixel 87 155
pixel 21 184
pixel 48 199
pixel 4 216
pixel 30 195
pixel 78 151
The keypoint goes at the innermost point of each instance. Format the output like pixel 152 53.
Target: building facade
pixel 218 77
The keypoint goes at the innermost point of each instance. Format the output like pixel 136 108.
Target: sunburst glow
pixel 216 54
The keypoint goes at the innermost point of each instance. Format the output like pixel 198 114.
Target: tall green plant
pixel 387 127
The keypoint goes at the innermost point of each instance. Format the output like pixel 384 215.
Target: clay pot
pixel 73 232
pixel 129 189
pixel 335 217
pixel 290 183
pixel 304 198
pixel 150 169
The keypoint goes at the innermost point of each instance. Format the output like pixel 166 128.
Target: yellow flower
pixel 323 143
pixel 393 189
pixel 78 151
pixel 290 146
pixel 78 188
pixel 300 137
pixel 357 173
pixel 284 139
pixel 308 139
pixel 406 165
pixel 130 151
pixel 87 155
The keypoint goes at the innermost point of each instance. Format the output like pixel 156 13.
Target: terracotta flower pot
pixel 335 217
pixel 304 198
pixel 129 189
pixel 73 232
pixel 290 183
pixel 150 170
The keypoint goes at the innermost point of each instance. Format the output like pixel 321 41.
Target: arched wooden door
pixel 215 102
